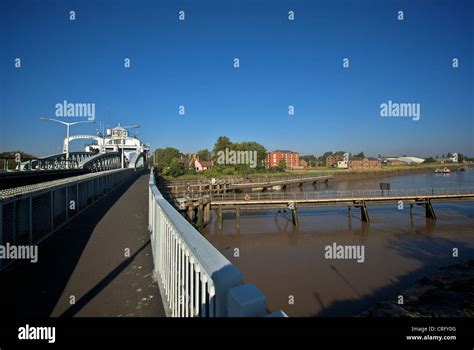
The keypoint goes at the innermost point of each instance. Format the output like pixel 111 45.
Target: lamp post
pixel 68 124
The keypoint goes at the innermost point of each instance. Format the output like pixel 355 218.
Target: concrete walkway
pixel 84 268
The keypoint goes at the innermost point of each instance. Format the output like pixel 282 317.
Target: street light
pixel 68 124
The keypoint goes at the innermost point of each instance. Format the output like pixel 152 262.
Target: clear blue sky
pixel 283 63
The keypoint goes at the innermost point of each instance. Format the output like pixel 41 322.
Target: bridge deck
pixel 86 259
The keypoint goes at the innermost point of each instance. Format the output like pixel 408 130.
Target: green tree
pixel 322 159
pixel 164 157
pixel 360 155
pixel 254 146
pixel 310 159
pixel 461 158
pixel 430 160
pixel 204 154
pixel 176 168
pixel 221 144
pixel 224 142
pixel 11 155
pixel 9 158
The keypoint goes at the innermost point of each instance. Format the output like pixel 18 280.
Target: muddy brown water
pixel 288 263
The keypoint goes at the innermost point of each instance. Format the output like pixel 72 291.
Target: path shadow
pixel 38 287
pixel 86 298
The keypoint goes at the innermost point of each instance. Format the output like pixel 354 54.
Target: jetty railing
pixel 356 194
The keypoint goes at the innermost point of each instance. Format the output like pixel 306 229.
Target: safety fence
pixel 30 215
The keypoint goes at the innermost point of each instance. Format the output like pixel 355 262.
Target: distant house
pixel 364 163
pixel 452 159
pixel 201 165
pixel 193 162
pixel 189 161
pixel 343 164
pixel 303 163
pixel 331 161
pixel 292 159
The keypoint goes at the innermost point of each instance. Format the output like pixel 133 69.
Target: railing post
pixel 186 284
pixel 203 295
pixel 197 270
pixel 192 278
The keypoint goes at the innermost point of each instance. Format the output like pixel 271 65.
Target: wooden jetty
pixel 291 201
pixel 226 185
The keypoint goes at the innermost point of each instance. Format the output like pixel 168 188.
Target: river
pixel 288 263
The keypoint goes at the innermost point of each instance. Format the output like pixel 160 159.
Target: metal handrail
pixel 194 277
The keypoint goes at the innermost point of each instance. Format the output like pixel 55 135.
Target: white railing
pixel 194 277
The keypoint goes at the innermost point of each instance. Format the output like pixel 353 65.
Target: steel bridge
pixel 89 161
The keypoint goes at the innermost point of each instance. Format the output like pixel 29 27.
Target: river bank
pixel 387 172
pixel 447 293
pixel 339 174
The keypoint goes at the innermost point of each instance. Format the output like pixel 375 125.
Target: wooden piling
pixel 430 214
pixel 295 216
pixel 237 217
pixel 219 218
pixel 207 211
pixel 200 212
pixel 190 209
pixel 364 213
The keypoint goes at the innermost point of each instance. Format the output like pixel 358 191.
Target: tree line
pixel 171 161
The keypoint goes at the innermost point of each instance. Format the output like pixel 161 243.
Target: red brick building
pixel 291 158
pixel 331 161
pixel 364 163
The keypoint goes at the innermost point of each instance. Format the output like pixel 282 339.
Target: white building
pixel 452 159
pixel 406 160
pixel 343 164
